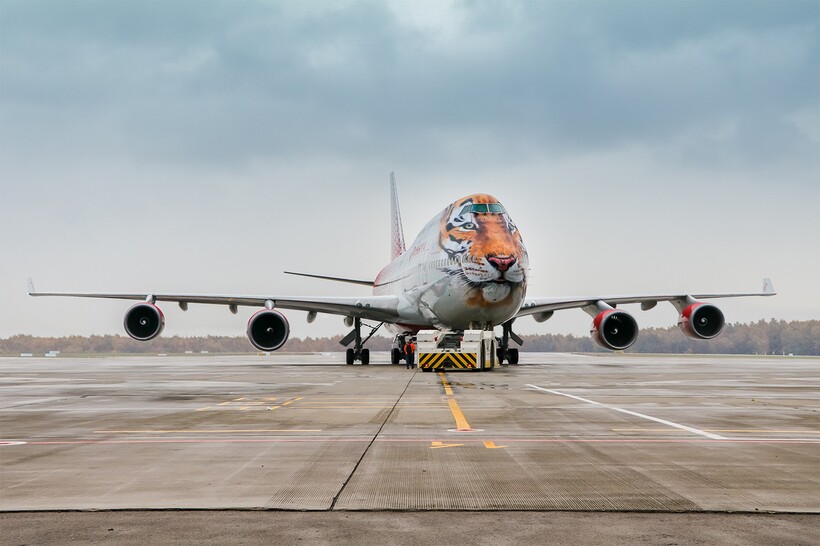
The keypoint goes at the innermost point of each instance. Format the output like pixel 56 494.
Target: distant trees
pixel 762 337
pixel 171 345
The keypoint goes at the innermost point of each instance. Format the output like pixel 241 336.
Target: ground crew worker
pixel 409 351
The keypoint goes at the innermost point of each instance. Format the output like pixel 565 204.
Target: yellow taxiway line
pixel 448 390
pixel 461 421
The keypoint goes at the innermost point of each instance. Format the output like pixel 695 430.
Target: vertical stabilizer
pixel 397 233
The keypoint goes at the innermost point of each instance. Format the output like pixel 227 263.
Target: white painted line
pixel 636 414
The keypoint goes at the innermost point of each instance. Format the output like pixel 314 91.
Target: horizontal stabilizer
pixel 327 278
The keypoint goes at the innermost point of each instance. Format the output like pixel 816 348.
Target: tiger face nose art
pixel 502 263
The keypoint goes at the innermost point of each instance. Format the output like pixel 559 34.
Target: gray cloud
pixel 232 82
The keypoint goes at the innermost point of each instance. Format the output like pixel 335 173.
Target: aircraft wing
pixel 535 306
pixel 377 308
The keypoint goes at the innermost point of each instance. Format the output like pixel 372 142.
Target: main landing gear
pixel 504 352
pixel 358 352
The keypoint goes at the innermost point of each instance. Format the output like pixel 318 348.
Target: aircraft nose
pixel 502 263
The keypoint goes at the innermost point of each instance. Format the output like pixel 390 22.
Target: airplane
pixel 466 270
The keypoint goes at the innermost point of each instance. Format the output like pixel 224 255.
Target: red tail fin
pixel 397 233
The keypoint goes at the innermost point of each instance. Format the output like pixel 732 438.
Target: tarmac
pixel 597 446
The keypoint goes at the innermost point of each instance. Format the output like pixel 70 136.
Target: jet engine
pixel 615 330
pixel 144 321
pixel 268 330
pixel 701 321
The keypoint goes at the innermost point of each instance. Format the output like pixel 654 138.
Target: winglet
pixel 30 287
pixel 768 288
pixel 397 234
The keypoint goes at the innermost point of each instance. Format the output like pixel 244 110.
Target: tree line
pixel 761 337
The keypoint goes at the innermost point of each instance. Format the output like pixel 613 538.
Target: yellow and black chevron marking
pixel 447 360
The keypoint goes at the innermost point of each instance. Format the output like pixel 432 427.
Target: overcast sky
pixel 207 146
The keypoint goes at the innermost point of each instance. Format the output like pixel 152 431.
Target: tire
pixel 365 357
pixel 350 357
pixel 395 356
pixel 513 356
pixel 499 353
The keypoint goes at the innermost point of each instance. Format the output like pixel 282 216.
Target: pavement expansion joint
pixel 370 444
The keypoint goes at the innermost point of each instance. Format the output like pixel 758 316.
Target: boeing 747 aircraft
pixel 466 270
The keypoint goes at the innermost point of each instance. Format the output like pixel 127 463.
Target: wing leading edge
pixel 536 306
pixel 377 308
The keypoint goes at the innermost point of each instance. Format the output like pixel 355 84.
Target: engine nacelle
pixel 144 321
pixel 701 321
pixel 613 329
pixel 268 330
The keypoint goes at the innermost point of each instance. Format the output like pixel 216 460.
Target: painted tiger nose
pixel 502 263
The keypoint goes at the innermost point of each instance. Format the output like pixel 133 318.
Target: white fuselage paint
pixel 447 279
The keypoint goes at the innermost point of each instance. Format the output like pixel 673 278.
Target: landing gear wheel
pixel 365 357
pixel 512 356
pixel 395 356
pixel 350 357
pixel 499 353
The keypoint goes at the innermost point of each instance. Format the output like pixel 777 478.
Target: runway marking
pixel 244 404
pixel 202 431
pixel 311 405
pixel 491 445
pixel 737 430
pixel 11 443
pixel 634 413
pixel 440 445
pixel 355 397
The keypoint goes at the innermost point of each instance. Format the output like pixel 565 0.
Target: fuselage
pixel 466 269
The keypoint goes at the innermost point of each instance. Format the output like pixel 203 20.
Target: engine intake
pixel 701 321
pixel 144 321
pixel 615 330
pixel 268 330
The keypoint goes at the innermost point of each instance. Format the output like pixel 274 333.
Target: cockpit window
pixel 493 208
